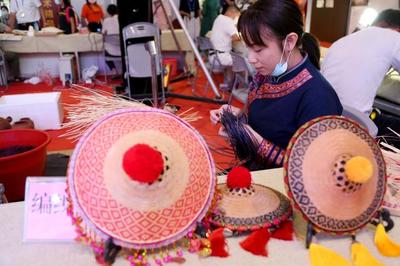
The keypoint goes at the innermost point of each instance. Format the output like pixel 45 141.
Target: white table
pixel 15 253
pixel 90 42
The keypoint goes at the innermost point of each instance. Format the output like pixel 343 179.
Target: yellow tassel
pixel 385 245
pixel 362 257
pixel 321 256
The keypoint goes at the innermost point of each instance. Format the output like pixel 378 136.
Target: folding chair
pixel 241 72
pixel 139 59
pixel 206 46
pixel 111 40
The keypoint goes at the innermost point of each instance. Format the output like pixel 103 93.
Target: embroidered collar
pixel 265 87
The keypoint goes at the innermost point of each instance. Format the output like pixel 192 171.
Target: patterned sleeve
pixel 271 154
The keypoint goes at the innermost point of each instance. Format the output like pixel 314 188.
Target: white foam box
pixel 43 108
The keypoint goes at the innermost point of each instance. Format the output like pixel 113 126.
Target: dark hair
pixel 277 18
pixel 4 7
pixel 112 9
pixel 67 3
pixel 391 17
pixel 90 5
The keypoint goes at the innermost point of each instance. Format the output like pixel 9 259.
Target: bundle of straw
pixel 92 105
pixel 242 141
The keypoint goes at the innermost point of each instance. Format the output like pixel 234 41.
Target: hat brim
pixel 327 199
pixel 251 209
pixel 141 215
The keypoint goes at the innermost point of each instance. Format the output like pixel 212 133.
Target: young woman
pixel 93 14
pixel 67 20
pixel 288 89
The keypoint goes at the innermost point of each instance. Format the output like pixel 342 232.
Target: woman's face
pixel 264 58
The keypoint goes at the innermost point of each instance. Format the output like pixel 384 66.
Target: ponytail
pixel 310 45
pixel 279 18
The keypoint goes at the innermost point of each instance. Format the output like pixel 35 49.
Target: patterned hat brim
pixel 251 209
pixel 310 180
pixel 134 225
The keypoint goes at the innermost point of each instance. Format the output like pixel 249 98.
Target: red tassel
pixel 284 231
pixel 256 242
pixel 217 243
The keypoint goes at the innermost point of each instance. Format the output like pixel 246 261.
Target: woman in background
pixel 210 13
pixel 111 27
pixel 67 19
pixel 93 15
pixel 190 12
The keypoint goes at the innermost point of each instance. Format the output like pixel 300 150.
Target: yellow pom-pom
pixel 359 169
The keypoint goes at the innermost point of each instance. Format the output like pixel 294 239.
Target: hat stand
pixel 383 216
pixel 111 251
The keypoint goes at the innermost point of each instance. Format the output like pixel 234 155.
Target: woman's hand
pixel 215 115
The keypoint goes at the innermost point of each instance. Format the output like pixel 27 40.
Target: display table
pixel 13 252
pixel 54 44
pixel 90 42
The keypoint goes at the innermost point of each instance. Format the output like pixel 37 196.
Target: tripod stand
pixel 218 98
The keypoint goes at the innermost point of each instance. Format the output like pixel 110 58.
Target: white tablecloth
pixel 13 252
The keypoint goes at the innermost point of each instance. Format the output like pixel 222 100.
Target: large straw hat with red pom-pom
pixel 143 177
pixel 335 174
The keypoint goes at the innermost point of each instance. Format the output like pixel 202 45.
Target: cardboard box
pixel 43 108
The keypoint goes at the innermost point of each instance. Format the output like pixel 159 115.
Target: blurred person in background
pixel 92 13
pixel 25 13
pixel 210 12
pixel 67 18
pixel 191 14
pixel 5 15
pixel 111 27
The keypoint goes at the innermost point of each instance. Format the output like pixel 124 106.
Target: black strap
pixel 216 52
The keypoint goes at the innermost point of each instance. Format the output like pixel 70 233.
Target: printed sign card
pixel 46 210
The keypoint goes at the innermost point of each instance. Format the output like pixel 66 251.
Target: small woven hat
pixel 319 164
pixel 246 206
pixel 142 177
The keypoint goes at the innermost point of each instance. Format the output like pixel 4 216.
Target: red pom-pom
pixel 217 243
pixel 142 163
pixel 256 242
pixel 239 177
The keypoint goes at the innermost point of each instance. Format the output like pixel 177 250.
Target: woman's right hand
pixel 215 115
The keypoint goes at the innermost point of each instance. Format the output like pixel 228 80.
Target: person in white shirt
pixel 111 27
pixel 26 13
pixel 223 33
pixel 356 64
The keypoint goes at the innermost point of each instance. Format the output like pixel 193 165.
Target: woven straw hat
pixel 112 196
pixel 317 179
pixel 250 207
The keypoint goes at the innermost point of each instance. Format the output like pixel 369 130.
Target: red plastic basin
pixel 15 168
